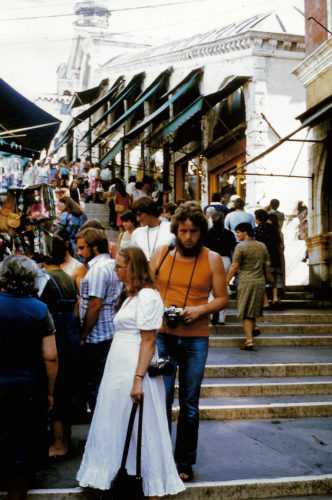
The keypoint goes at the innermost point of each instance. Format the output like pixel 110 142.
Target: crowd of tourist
pixel 84 322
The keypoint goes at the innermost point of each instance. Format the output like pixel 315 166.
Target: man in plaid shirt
pixel 100 291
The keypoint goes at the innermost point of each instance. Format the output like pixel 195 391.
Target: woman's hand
pixel 136 391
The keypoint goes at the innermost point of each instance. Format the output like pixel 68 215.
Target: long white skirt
pixel 104 447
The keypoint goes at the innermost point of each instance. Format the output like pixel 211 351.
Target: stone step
pixel 295 304
pixel 237 459
pixel 269 340
pixel 268 370
pixel 284 328
pixel 221 490
pixel 270 355
pixel 299 288
pixel 287 316
pixel 298 295
pixel 262 407
pixel 282 386
pixel 310 497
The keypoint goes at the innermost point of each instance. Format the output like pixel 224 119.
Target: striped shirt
pixel 100 281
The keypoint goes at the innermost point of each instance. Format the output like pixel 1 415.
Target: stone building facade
pixel 315 73
pixel 199 150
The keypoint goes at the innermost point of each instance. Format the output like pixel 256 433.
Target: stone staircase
pixel 266 426
pixel 100 211
pixel 285 383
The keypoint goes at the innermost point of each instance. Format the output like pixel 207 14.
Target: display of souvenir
pixel 38 203
pixel 11 173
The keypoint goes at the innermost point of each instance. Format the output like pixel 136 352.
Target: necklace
pixel 155 241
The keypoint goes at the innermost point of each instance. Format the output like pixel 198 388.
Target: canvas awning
pixel 202 104
pixel 96 105
pixel 112 153
pixel 149 119
pixel 87 96
pixel 309 118
pixel 18 114
pixel 140 100
pixel 126 91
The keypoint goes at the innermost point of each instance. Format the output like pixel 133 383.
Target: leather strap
pixel 139 436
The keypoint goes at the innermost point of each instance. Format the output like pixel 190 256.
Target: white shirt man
pixel 153 233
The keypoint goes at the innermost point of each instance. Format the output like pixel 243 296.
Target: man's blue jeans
pixel 189 354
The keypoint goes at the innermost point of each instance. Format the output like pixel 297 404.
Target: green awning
pixel 62 142
pixel 309 118
pixel 189 112
pixel 87 96
pixel 120 98
pixel 202 104
pixel 317 113
pixel 96 105
pixel 125 115
pixel 149 119
pixel 112 153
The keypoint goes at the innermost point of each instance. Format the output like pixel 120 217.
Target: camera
pixel 171 315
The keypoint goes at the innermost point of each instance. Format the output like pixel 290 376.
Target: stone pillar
pixel 320 277
pixel 256 132
pixel 204 182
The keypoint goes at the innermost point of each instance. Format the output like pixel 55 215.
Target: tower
pixel 91 14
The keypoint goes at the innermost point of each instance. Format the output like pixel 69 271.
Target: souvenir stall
pixel 25 213
pixel 25 217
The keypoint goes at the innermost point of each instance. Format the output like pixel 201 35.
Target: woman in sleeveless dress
pixel 129 222
pixel 125 379
pixel 60 295
pixel 70 265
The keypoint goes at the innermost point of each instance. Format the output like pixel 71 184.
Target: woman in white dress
pixel 125 380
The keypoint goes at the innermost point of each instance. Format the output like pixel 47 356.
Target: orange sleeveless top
pixel 175 294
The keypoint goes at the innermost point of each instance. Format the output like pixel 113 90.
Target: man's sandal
pixel 248 346
pixel 256 332
pixel 185 470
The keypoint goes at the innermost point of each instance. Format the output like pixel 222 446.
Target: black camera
pixel 171 315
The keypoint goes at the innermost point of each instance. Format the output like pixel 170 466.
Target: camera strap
pixel 190 281
pixel 169 248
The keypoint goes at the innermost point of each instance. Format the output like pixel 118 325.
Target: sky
pixel 35 35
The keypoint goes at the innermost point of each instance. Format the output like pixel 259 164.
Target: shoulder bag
pixel 125 486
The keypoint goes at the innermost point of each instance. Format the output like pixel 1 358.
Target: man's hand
pixel 191 313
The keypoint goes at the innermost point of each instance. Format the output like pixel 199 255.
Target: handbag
pixel 160 367
pixel 119 208
pixel 125 486
pixel 14 220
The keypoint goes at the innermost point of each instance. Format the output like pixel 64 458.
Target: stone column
pixel 256 132
pixel 204 182
pixel 319 263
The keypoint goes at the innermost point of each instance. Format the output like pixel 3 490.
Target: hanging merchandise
pixel 7 208
pixel 38 203
pixel 11 173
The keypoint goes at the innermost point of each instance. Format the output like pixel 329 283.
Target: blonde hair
pixel 138 272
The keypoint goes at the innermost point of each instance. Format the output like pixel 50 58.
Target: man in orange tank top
pixel 186 275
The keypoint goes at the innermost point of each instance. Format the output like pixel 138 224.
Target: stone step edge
pixel 268 370
pixel 275 341
pixel 263 389
pixel 240 489
pixel 262 411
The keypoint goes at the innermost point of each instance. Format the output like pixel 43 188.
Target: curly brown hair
pixel 190 210
pixel 138 270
